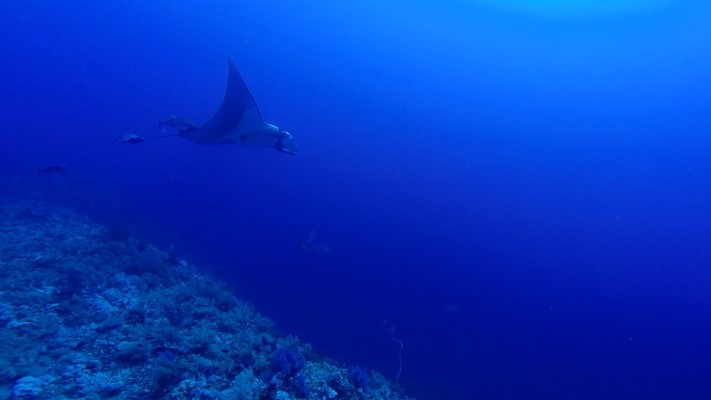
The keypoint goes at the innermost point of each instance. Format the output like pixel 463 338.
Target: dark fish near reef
pixel 52 169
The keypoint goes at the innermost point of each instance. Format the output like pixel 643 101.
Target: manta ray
pixel 238 121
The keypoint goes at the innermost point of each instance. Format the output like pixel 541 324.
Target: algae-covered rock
pixel 86 314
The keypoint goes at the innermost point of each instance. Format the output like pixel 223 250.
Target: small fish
pixel 177 123
pixel 53 169
pixel 315 245
pixel 131 138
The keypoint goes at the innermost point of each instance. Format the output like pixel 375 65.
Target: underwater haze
pixel 517 191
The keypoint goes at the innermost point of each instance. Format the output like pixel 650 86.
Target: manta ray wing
pixel 237 116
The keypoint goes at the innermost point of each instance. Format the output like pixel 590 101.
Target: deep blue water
pixel 521 191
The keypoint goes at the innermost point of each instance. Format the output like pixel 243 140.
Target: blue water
pixel 519 188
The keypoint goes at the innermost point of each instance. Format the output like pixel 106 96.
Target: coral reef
pixel 89 314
